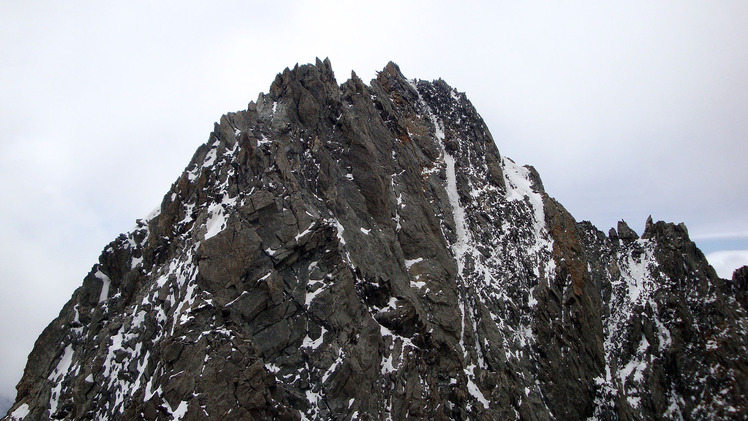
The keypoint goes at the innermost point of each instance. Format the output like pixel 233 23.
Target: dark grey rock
pixel 364 252
pixel 625 233
pixel 738 286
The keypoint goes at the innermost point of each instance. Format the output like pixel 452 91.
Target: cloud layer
pixel 725 262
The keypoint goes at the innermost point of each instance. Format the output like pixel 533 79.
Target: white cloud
pixel 725 262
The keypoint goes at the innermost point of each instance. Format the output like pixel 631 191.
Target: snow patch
pixel 216 222
pixel 63 365
pixel 333 367
pixel 263 141
pixel 105 282
pixel 460 246
pixel 314 344
pixel 519 188
pixel 410 263
pixel 20 413
pixel 387 366
pixel 340 231
pixel 57 375
pixel 473 388
pixel 305 232
pixel 178 414
pixel 418 284
pixel 311 295
pixel 154 213
pixel 210 158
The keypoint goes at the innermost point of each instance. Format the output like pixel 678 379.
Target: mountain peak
pixel 345 251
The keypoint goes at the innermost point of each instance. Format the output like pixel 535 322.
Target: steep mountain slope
pixel 364 252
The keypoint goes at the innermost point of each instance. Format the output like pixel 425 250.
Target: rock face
pixel 365 252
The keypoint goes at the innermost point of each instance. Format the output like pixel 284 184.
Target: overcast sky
pixel 625 108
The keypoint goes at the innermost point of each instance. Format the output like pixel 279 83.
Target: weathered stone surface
pixel 738 286
pixel 364 252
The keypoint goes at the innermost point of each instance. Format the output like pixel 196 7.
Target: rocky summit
pixel 364 252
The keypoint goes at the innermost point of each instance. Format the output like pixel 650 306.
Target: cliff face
pixel 365 252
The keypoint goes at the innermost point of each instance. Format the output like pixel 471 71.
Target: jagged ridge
pixel 361 251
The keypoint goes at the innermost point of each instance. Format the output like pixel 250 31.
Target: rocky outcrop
pixel 364 252
pixel 738 286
